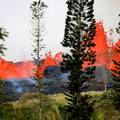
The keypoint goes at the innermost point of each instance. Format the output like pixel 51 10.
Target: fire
pixel 50 61
pixel 25 69
pixel 15 70
pixel 115 54
pixel 104 56
pixel 105 48
pixel 101 47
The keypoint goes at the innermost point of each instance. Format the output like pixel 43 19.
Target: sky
pixel 15 17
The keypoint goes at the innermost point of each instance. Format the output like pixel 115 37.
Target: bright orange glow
pixel 104 56
pixel 101 48
pixel 26 69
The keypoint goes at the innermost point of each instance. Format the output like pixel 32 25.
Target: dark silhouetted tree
pixel 116 74
pixel 38 9
pixel 80 30
pixel 3 35
pixel 116 69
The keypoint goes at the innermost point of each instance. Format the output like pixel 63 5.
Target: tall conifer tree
pixel 38 9
pixel 116 73
pixel 116 69
pixel 80 30
pixel 3 34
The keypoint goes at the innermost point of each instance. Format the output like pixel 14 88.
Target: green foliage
pixel 116 69
pixel 27 108
pixel 104 107
pixel 80 29
pixel 116 96
pixel 116 75
pixel 3 34
pixel 62 111
pixel 30 110
pixel 3 98
pixel 1 86
pixel 38 9
pixel 25 113
pixel 83 110
pixel 7 112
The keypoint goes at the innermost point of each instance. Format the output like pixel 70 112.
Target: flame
pixel 101 47
pixel 25 69
pixel 105 48
pixel 50 61
pixel 104 55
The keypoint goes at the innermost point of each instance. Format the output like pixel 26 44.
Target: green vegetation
pixel 3 98
pixel 80 30
pixel 116 74
pixel 104 107
pixel 38 9
pixel 3 35
pixel 53 107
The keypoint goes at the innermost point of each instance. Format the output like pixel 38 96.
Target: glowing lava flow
pixel 101 47
pixel 25 69
pixel 104 53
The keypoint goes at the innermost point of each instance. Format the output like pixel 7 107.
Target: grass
pixel 104 107
pixel 53 107
pixel 29 104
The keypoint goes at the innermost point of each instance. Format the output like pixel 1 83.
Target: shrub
pixel 7 112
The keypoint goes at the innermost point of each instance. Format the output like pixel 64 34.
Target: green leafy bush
pixel 104 107
pixel 3 98
pixel 7 112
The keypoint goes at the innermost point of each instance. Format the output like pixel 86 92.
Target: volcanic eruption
pixel 25 69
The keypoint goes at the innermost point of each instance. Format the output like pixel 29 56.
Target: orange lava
pixel 102 49
pixel 26 69
pixel 104 56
